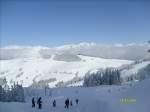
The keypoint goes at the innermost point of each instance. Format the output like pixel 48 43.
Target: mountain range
pixel 34 65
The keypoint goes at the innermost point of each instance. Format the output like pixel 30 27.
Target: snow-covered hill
pixel 64 64
pixel 136 71
pixel 54 70
pixel 133 69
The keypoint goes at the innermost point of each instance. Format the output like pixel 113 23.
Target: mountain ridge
pixel 110 51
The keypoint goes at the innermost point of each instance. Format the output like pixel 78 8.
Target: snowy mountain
pixel 67 65
pixel 52 71
pixel 63 65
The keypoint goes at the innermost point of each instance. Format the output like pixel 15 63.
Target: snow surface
pixel 27 70
pixel 91 99
pixel 134 69
pixel 25 64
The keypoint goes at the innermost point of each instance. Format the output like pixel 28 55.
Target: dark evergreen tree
pixel 1 93
pixel 108 76
pixel 15 94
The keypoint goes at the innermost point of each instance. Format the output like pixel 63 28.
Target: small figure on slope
pixel 33 103
pixel 77 101
pixel 67 103
pixel 39 102
pixel 54 103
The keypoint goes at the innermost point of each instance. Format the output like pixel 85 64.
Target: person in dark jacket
pixel 77 101
pixel 54 103
pixel 39 102
pixel 67 103
pixel 33 103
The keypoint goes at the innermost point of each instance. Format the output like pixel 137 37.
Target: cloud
pixel 116 51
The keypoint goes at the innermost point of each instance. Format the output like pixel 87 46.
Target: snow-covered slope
pixel 134 69
pixel 52 70
pixel 53 65
pixel 124 98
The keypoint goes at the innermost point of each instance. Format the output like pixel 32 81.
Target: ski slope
pixel 93 99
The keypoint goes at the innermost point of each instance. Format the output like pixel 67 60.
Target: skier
pixel 67 103
pixel 39 102
pixel 71 103
pixel 77 101
pixel 54 103
pixel 33 103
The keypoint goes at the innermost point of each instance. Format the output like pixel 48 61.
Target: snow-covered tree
pixel 143 73
pixel 15 94
pixel 3 91
pixel 108 76
pixel 2 94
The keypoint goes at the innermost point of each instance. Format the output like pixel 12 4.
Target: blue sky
pixel 58 22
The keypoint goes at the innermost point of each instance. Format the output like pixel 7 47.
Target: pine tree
pixel 1 93
pixel 18 93
pixel 108 76
pixel 15 94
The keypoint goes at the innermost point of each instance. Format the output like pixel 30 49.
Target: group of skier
pixel 39 103
pixel 69 102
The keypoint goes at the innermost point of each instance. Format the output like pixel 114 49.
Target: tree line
pixel 13 94
pixel 109 76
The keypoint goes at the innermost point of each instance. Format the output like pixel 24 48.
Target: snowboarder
pixel 33 103
pixel 67 103
pixel 54 103
pixel 77 101
pixel 39 102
